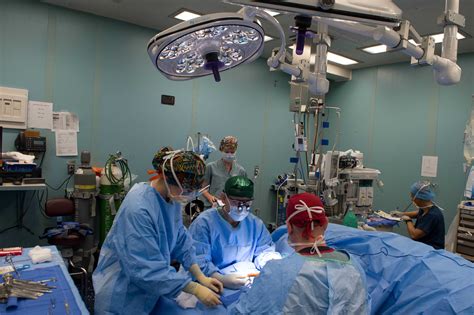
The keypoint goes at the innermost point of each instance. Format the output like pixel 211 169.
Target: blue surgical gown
pixel 306 285
pixel 404 276
pixel 219 245
pixel 134 266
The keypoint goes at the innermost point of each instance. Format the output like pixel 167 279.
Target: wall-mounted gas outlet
pixel 71 167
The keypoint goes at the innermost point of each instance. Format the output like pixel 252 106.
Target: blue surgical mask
pixel 237 215
pixel 229 157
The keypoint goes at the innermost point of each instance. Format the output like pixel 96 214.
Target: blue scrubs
pixel 219 245
pixel 216 175
pixel 134 266
pixel 432 223
pixel 306 285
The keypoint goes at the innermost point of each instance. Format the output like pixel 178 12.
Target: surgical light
pixel 217 42
pixel 186 15
pixel 206 45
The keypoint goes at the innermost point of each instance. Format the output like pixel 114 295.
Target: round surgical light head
pixel 206 45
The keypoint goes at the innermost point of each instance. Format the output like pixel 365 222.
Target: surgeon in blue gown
pixel 403 276
pixel 134 266
pixel 231 235
pixel 315 279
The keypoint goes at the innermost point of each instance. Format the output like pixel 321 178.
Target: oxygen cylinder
pixel 110 198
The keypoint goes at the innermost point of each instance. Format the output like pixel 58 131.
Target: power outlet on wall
pixel 71 167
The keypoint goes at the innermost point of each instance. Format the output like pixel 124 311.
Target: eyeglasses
pixel 241 206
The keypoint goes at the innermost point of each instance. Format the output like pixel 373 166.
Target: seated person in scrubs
pixel 315 279
pixel 134 265
pixel 219 171
pixel 429 225
pixel 231 234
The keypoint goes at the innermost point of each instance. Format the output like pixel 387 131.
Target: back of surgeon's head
pixel 306 219
pixel 179 167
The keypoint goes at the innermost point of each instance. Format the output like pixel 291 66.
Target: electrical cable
pixel 29 205
pixel 60 186
pixel 24 212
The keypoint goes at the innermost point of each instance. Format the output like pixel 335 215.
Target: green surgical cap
pixel 239 186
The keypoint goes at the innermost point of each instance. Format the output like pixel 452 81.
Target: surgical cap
pixel 239 186
pixel 304 218
pixel 229 143
pixel 188 167
pixel 422 190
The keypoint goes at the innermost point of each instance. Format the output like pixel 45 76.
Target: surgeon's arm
pixel 264 249
pixel 199 230
pixel 411 214
pixel 143 259
pixel 208 181
pixel 184 250
pixel 414 232
pixel 186 254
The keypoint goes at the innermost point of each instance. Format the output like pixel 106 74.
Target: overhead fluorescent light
pixel 439 37
pixel 267 38
pixel 377 49
pixel 186 15
pixel 341 59
pixel 272 13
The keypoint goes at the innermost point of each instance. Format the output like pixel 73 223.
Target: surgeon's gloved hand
pixel 211 283
pixel 206 296
pixel 406 218
pixel 231 281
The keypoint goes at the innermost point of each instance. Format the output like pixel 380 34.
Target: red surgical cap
pixel 304 218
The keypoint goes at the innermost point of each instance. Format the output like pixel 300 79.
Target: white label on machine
pixel 429 166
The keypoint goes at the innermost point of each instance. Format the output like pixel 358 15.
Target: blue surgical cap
pixel 422 190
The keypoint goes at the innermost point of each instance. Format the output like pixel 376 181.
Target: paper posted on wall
pixel 40 115
pixel 429 166
pixel 65 121
pixel 66 143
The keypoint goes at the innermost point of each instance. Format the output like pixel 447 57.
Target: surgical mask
pixel 229 157
pixel 237 215
pixel 424 207
pixel 240 212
